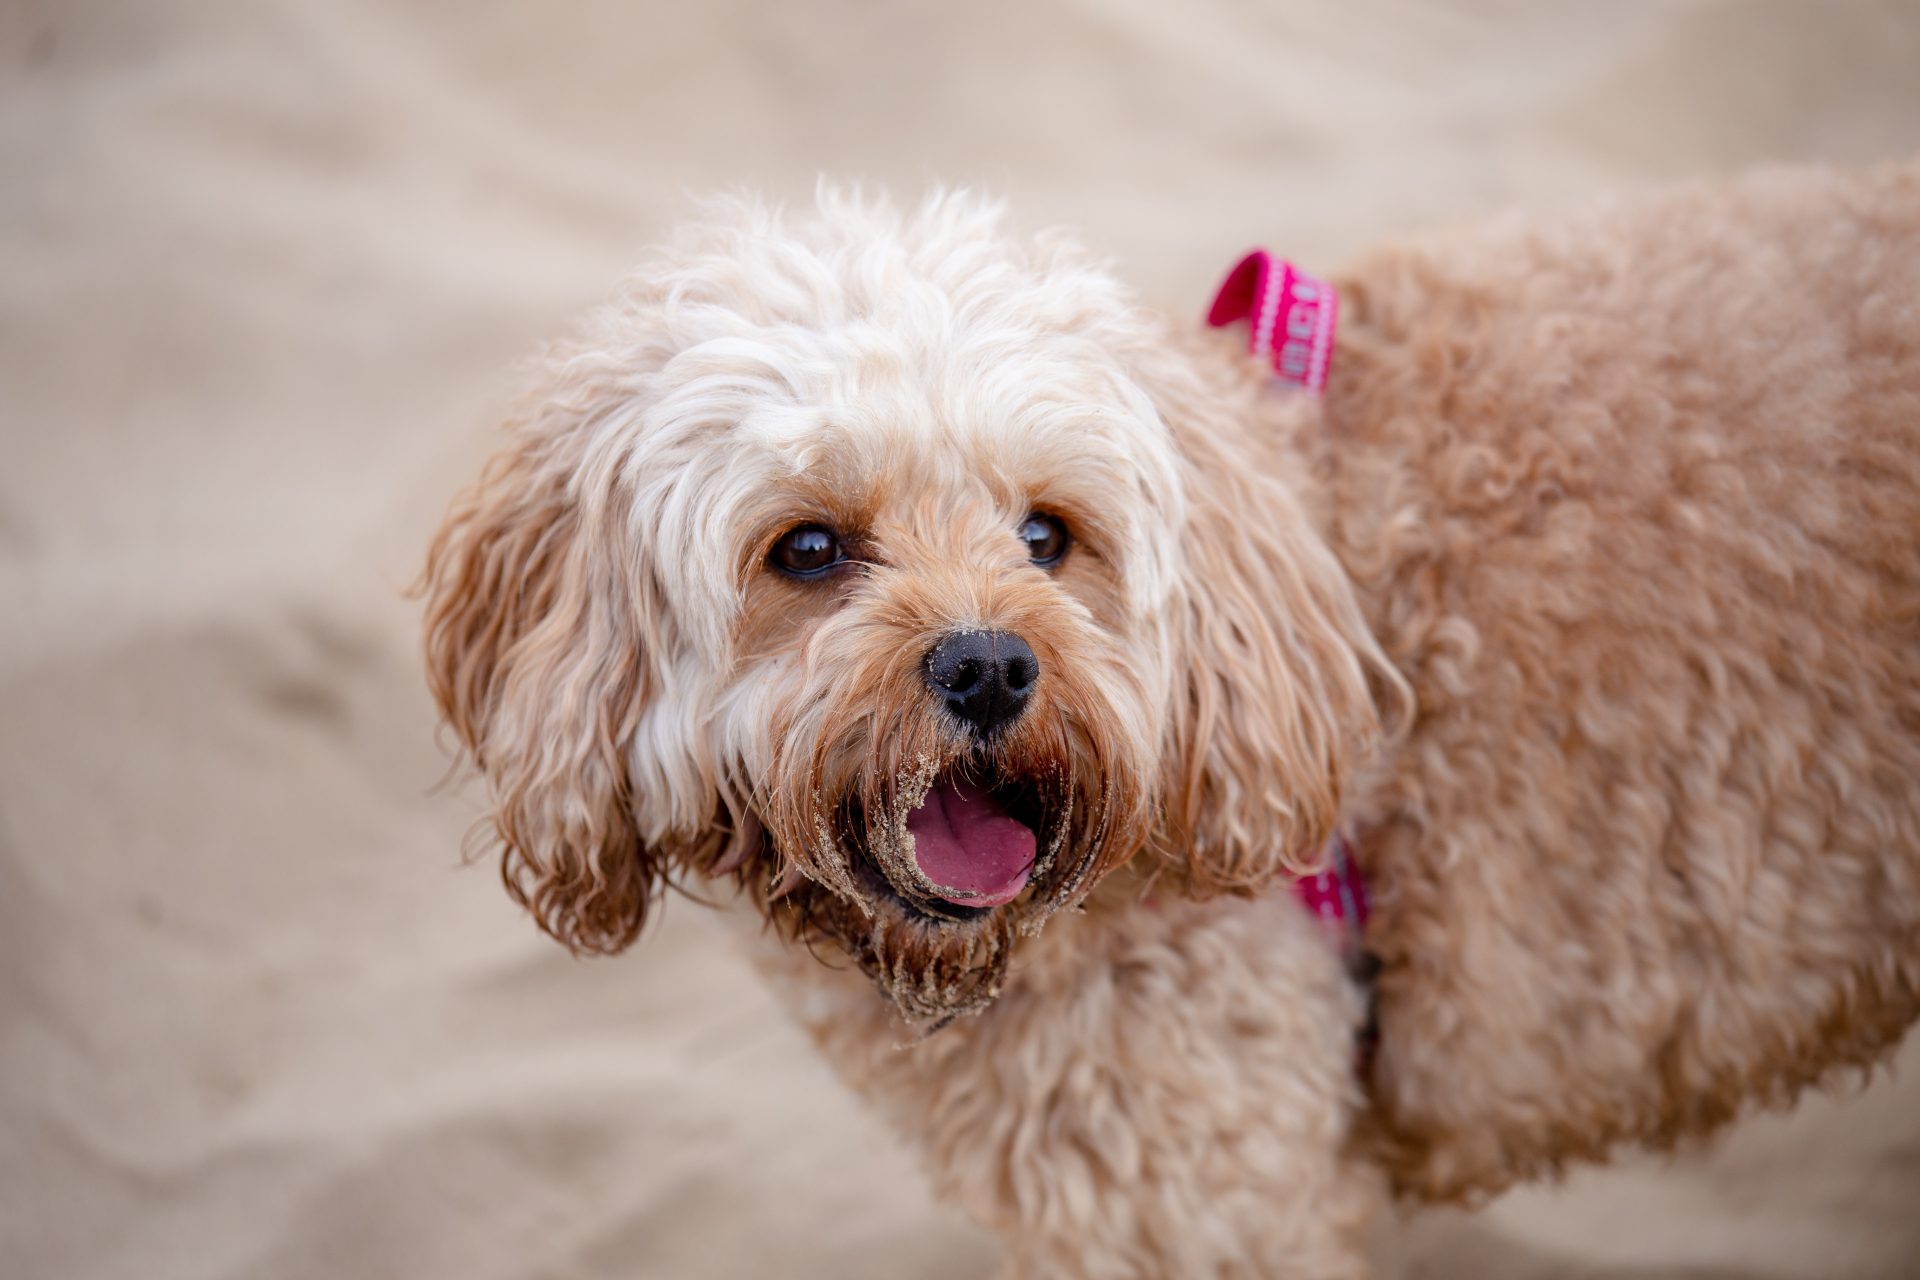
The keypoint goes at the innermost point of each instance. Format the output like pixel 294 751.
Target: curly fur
pixel 1588 601
pixel 1635 500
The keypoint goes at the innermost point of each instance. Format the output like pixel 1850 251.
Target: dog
pixel 1005 650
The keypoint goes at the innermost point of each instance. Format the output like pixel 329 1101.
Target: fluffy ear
pixel 533 654
pixel 1280 690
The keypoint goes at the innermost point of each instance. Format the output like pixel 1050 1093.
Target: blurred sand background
pixel 265 272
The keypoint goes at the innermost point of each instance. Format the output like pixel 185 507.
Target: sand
pixel 265 272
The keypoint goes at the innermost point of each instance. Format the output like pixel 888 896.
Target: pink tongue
pixel 968 845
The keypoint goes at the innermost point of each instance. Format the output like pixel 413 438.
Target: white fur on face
pixel 923 377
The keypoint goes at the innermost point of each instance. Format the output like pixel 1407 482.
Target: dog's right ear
pixel 534 656
pixel 1280 692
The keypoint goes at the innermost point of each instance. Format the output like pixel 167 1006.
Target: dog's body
pixel 1634 501
pixel 1587 602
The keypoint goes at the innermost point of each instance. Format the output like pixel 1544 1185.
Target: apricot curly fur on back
pixel 1635 500
pixel 1586 606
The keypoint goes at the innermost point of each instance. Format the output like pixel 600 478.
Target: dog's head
pixel 904 571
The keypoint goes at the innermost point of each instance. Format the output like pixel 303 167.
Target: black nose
pixel 983 677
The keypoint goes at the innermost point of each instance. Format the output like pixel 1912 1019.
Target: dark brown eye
pixel 1046 539
pixel 807 552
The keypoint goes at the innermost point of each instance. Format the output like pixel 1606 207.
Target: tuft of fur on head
pixel 647 696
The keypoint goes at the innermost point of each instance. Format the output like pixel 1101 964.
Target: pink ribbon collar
pixel 1293 316
pixel 1337 896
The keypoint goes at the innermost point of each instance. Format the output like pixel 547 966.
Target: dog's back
pixel 1634 501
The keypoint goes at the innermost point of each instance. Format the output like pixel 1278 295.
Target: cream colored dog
pixel 992 632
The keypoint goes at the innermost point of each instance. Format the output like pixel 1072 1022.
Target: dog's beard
pixel 932 973
pixel 852 875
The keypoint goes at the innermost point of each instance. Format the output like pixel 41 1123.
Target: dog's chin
pixel 943 893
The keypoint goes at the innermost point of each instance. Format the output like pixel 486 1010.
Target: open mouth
pixel 975 846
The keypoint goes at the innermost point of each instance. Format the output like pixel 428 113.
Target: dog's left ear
pixel 535 656
pixel 1280 691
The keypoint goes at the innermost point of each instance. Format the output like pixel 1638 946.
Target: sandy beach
pixel 267 271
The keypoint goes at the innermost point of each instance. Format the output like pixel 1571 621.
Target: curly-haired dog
pixel 1005 639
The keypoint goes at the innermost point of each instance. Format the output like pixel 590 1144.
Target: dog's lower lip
pixel 998 898
pixel 936 910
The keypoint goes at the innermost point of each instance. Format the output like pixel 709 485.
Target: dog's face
pixel 861 560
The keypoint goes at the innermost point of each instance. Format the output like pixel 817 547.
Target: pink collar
pixel 1293 317
pixel 1337 898
pixel 1338 895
